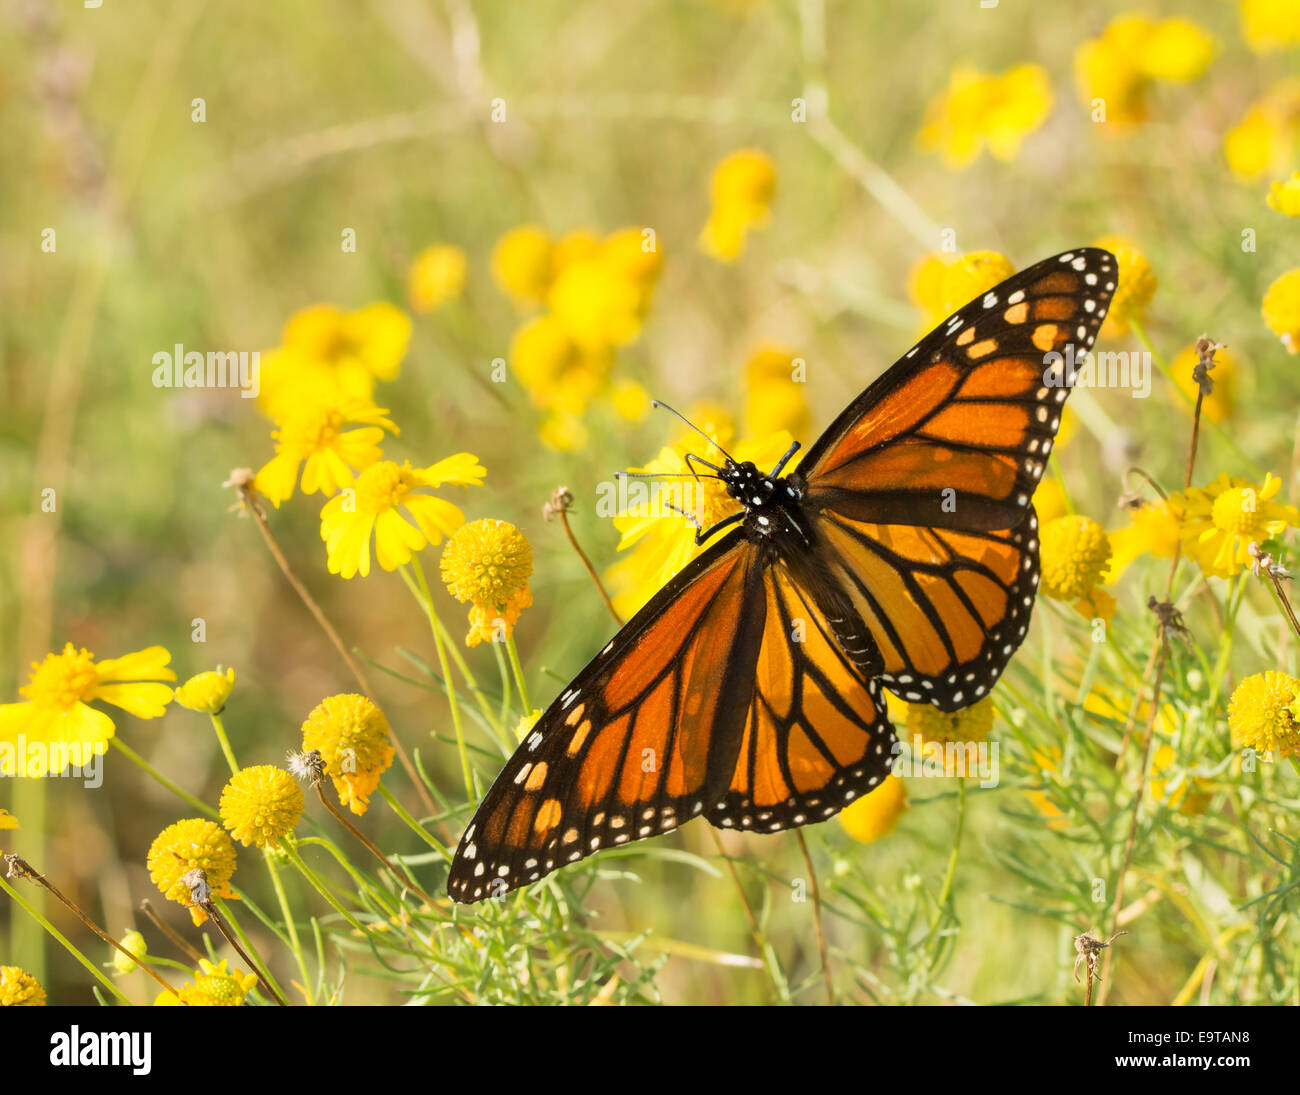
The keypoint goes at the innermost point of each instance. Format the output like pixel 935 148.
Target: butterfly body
pixel 900 553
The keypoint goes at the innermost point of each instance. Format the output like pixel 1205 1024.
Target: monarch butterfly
pixel 905 543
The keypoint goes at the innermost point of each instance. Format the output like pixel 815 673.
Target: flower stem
pixel 290 926
pixel 229 927
pixel 402 875
pixel 31 911
pixel 220 728
pixel 816 893
pixel 513 651
pixel 414 825
pixel 153 772
pixel 420 592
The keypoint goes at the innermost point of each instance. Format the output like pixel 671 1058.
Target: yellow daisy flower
pixel 1134 51
pixel 979 110
pixel 487 564
pixel 1221 520
pixel 261 804
pixel 741 191
pixel 18 988
pixel 1153 529
pixel 877 813
pixel 437 276
pixel 971 724
pixel 57 712
pixel 1285 196
pixel 1264 714
pixel 940 284
pixel 1135 288
pixel 353 738
pixel 1264 141
pixel 183 846
pixel 7 820
pixel 1281 309
pixel 206 692
pixel 660 541
pixel 630 400
pixel 1075 553
pixel 563 433
pixel 773 395
pixel 558 373
pixel 385 501
pixel 1270 25
pixel 213 986
pixel 314 436
pixel 326 353
pixel 522 264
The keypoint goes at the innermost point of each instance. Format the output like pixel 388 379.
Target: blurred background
pixel 417 123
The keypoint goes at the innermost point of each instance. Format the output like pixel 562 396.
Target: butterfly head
pixel 746 484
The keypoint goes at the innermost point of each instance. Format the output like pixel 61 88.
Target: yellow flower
pixel 563 433
pixel 971 724
pixel 560 375
pixel 134 942
pixel 377 503
pixel 7 820
pixel 1050 501
pixel 1075 552
pixel 326 352
pixel 437 276
pixel 487 564
pixel 57 714
pixel 1136 285
pixel 1217 406
pixel 594 307
pixel 1263 142
pixel 260 805
pixel 184 846
pixel 313 436
pixel 1134 51
pixel 981 110
pixel 1179 791
pixel 741 199
pixel 206 692
pixel 774 383
pixel 524 726
pixel 522 263
pixel 1285 196
pixel 660 539
pixel 213 986
pixel 877 813
pixel 19 988
pixel 353 738
pixel 1264 714
pixel 941 284
pixel 1281 309
pixel 631 402
pixel 1270 25
pixel 1222 519
pixel 1153 530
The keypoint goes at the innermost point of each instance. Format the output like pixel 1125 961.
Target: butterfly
pixel 900 553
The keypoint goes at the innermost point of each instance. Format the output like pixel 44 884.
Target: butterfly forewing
pixel 920 493
pixel 643 740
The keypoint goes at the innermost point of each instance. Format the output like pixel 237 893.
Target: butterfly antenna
pixel 712 441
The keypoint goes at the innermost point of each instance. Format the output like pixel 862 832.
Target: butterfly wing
pixel 920 491
pixel 645 738
pixel 816 734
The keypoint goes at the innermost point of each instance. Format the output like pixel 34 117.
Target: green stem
pixel 426 602
pixel 220 728
pixel 290 926
pixel 414 825
pixel 153 772
pixel 54 932
pixel 296 859
pixel 945 892
pixel 513 651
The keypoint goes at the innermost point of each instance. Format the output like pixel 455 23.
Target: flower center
pixel 62 680
pixel 1236 512
pixel 312 429
pixel 383 486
